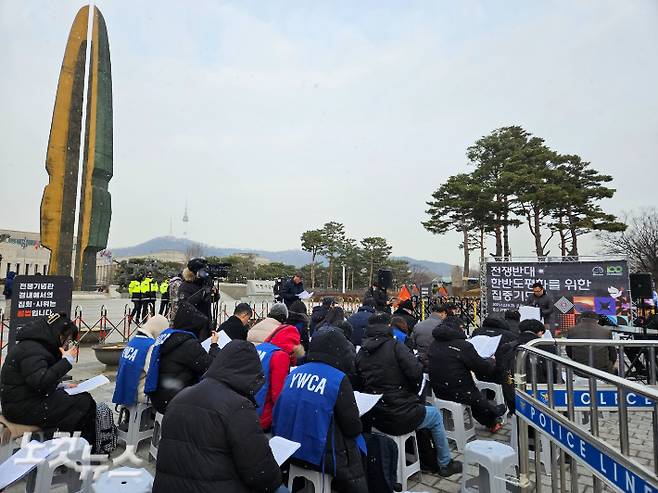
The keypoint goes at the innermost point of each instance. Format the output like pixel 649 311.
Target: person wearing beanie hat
pixel 259 332
pixel 317 401
pixel 134 362
pixel 359 320
pixel 196 291
pixel 298 316
pixel 31 389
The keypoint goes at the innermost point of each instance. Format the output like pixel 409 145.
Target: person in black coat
pixel 452 359
pixel 297 316
pixel 319 313
pixel 406 311
pixel 183 360
pixel 291 289
pixel 211 438
pixel 387 366
pixel 359 320
pixel 237 325
pixel 31 392
pixel 494 327
pixel 197 291
pixel 513 318
pixel 379 297
pixel 530 330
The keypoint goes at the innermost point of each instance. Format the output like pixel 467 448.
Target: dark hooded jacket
pixel 30 375
pixel 494 327
pixel 386 366
pixel 317 316
pixel 327 347
pixel 299 319
pixel 508 363
pixel 452 359
pixel 234 328
pixel 401 312
pixel 211 439
pixel 193 290
pixel 359 321
pixel 182 358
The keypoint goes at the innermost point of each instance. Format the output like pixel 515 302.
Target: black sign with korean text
pixel 38 296
pixel 598 286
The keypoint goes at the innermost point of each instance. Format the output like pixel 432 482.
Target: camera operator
pixel 197 289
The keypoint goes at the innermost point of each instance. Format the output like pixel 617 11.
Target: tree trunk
pixel 574 238
pixel 536 231
pixel 467 259
pixel 330 281
pixel 482 252
pixel 372 261
pixel 506 248
pixel 499 240
pixel 313 270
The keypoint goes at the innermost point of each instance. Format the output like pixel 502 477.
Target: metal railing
pixel 538 407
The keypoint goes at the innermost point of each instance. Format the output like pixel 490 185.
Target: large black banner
pixel 38 296
pixel 599 286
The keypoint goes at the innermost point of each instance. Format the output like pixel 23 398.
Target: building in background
pixel 22 253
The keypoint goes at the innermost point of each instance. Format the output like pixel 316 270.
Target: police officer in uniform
pixel 135 290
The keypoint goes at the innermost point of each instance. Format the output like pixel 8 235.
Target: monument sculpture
pixel 60 196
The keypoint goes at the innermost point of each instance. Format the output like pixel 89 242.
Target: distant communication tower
pixel 186 220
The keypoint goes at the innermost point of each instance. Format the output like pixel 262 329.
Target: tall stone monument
pixel 60 197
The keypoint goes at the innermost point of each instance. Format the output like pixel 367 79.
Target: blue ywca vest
pixel 399 335
pixel 153 372
pixel 265 352
pixel 305 409
pixel 131 365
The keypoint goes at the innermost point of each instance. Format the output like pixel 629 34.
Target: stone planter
pixel 109 353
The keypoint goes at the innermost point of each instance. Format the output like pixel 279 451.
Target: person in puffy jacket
pixel 278 353
pixel 452 359
pixel 319 312
pixel 298 316
pixel 31 389
pixel 359 320
pixel 211 441
pixel 317 407
pixel 237 325
pixel 494 327
pixel 386 366
pixel 406 311
pixel 177 358
pixel 261 331
pixel 422 338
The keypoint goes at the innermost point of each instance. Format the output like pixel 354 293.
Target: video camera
pixel 218 271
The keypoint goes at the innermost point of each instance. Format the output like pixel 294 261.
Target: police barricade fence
pixel 551 409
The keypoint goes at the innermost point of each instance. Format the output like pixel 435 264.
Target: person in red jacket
pixel 278 353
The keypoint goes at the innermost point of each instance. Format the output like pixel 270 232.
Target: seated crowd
pixel 290 375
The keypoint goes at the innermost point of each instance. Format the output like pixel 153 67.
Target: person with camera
pixel 31 388
pixel 197 289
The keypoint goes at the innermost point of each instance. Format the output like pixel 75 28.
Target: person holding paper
pixel 317 408
pixel 211 441
pixel 291 289
pixel 543 300
pixel 386 366
pixel 277 354
pixel 452 359
pixel 237 325
pixel 134 362
pixel 177 359
pixel 494 327
pixel 31 392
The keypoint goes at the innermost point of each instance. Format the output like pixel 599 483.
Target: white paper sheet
pixel 484 345
pixel 426 378
pixel 11 472
pixel 530 313
pixel 357 348
pixel 282 448
pixel 88 385
pixel 222 341
pixel 365 402
pixel 304 295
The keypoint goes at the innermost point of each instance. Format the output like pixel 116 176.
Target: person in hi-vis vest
pixel 145 288
pixel 317 408
pixel 135 290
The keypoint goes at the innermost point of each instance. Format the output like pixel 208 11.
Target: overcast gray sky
pixel 272 118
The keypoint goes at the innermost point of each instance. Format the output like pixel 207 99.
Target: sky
pixel 272 118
